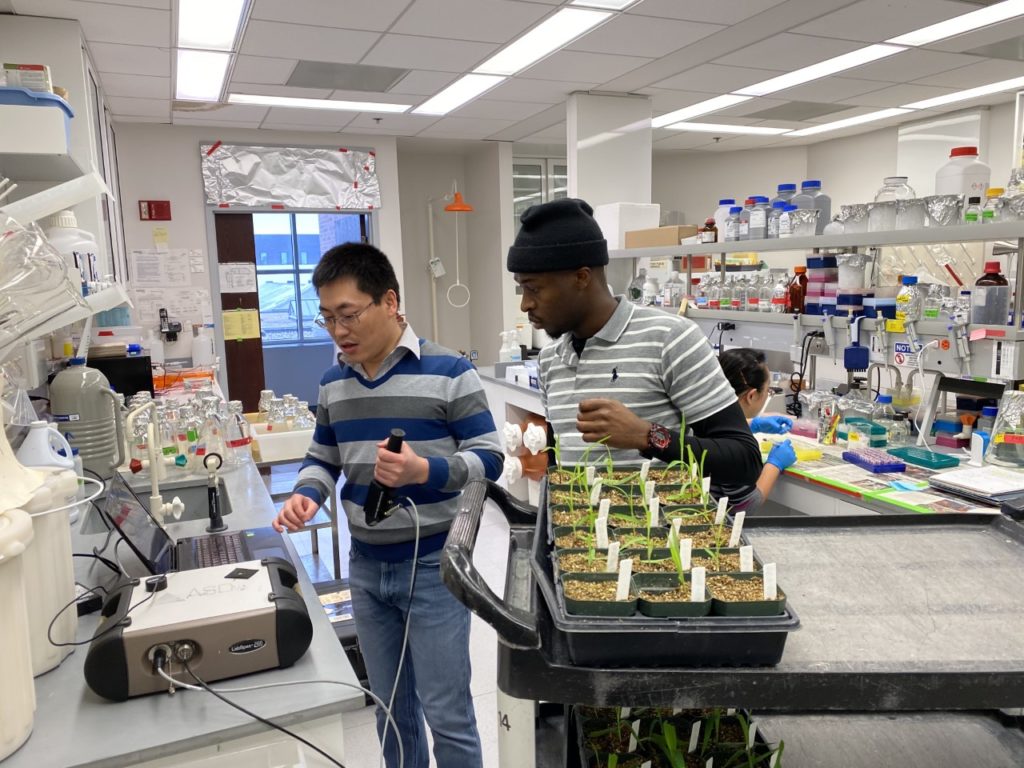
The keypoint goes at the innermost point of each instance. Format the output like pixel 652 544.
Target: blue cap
pixel 74 451
pixel 736 209
pixel 76 361
pixel 910 279
pixel 760 199
pixel 787 187
pixel 989 410
pixel 810 184
pixel 790 207
pixel 779 204
pixel 883 399
pixel 727 201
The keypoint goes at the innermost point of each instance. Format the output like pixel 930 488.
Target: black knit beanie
pixel 558 236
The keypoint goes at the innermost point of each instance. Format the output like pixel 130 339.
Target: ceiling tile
pixel 489 21
pixel 872 21
pixel 428 53
pixel 667 101
pixel 500 110
pixel 829 89
pixel 422 83
pixel 300 41
pixel 105 23
pixel 341 14
pixel 898 95
pixel 265 126
pixel 160 5
pixel 553 115
pixel 982 73
pixel 386 98
pixel 140 119
pixel 263 89
pixel 656 37
pixel 684 141
pixel 547 91
pixel 321 117
pixel 985 36
pixel 131 59
pixel 716 78
pixel 740 143
pixel 723 12
pixel 122 105
pixel 213 122
pixel 393 125
pixel 576 65
pixel 788 52
pixel 748 107
pixel 262 69
pixel 139 86
pixel 853 111
pixel 465 128
pixel 911 65
pixel 242 113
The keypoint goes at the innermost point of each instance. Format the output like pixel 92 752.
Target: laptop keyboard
pixel 219 550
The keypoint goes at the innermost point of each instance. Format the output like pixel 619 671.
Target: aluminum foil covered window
pixel 292 177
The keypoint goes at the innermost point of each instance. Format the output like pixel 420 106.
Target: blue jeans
pixel 436 671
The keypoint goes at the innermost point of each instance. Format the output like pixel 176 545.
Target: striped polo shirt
pixel 434 395
pixel 658 365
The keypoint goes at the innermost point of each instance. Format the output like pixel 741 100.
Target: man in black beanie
pixel 633 376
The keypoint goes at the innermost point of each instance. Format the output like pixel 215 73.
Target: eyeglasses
pixel 345 321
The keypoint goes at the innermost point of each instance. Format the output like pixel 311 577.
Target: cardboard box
pixel 659 236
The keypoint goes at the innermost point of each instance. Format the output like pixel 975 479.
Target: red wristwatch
pixel 658 438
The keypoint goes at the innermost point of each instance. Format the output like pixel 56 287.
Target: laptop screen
pixel 150 542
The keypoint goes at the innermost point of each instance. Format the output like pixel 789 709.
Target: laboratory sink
pixel 191 490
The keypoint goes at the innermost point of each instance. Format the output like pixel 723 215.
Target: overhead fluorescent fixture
pixel 821 69
pixel 200 75
pixel 550 35
pixel 610 5
pixel 958 25
pixel 850 121
pixel 696 110
pixel 464 89
pixel 209 26
pixel 299 103
pixel 752 130
pixel 970 93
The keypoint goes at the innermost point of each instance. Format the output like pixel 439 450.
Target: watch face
pixel 659 437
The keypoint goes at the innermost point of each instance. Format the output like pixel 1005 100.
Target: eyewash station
pixel 111 588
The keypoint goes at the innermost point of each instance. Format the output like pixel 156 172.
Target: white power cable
pixel 921 440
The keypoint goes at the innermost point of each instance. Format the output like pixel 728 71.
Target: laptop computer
pixel 160 553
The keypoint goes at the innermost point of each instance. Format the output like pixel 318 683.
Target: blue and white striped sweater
pixel 432 394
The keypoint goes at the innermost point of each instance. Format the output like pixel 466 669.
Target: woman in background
pixel 749 376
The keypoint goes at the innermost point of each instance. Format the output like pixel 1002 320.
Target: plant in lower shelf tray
pixel 743 594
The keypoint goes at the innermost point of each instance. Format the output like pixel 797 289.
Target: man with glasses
pixel 386 377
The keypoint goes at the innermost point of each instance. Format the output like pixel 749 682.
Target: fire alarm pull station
pixel 155 210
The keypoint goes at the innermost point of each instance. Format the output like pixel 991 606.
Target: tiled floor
pixel 362 749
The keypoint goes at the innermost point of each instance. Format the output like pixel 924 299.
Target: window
pixel 288 248
pixel 536 181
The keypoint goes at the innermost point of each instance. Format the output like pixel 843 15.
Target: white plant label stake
pixel 676 710
pixel 710 763
pixel 624 712
pixel 685 553
pixel 697 585
pixel 591 472
pixel 694 737
pixel 771 585
pixel 751 735
pixel 645 764
pixel 612 563
pixel 644 469
pixel 677 523
pixel 625 574
pixel 737 529
pixel 730 711
pixel 705 489
pixel 652 511
pixel 773 760
pixel 634 729
pixel 604 508
pixel 595 492
pixel 649 490
pixel 746 559
pixel 601 529
pixel 723 507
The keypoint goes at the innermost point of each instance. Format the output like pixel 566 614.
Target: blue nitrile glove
pixel 772 425
pixel 782 456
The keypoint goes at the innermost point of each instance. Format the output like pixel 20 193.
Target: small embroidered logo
pixel 615 373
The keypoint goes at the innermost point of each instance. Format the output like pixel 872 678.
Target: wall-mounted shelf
pixel 961 233
pixel 34 144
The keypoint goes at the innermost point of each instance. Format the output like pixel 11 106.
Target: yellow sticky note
pixel 160 238
pixel 894 326
pixel 241 324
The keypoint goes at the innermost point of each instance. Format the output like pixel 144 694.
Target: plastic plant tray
pixel 925 458
pixel 874 461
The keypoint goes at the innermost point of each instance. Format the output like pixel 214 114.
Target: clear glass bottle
pixel 785 221
pixel 780 296
pixel 305 418
pixel 773 218
pixel 908 301
pixel 714 291
pixel 765 293
pixel 759 218
pixel 753 303
pixel 748 206
pixel 812 196
pixel 732 224
pixel 725 293
pixel 700 295
pixel 168 420
pixel 277 420
pixel 899 430
pixel 266 395
pixel 972 213
pixel 786 192
pixel 963 302
pixel 238 439
pixel 987 419
pixel 932 306
pixel 895 188
pixel 993 210
pixel 883 413
pixel 635 290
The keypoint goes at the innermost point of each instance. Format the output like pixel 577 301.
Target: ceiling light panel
pixel 971 93
pixel 850 121
pixel 548 36
pixel 458 93
pixel 984 17
pixel 821 69
pixel 609 5
pixel 752 130
pixel 200 75
pixel 209 26
pixel 696 110
pixel 300 103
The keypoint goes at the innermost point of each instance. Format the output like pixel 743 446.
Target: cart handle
pixel 517 628
pixel 516 511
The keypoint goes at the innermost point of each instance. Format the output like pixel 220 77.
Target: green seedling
pixel 667 741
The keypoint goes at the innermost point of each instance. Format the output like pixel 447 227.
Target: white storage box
pixel 280 446
pixel 615 219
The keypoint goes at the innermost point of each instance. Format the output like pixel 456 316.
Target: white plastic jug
pixel 963 175
pixel 18 702
pixel 42 446
pixel 77 246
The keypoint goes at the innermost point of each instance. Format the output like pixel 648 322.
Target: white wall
pixel 162 162
pixel 851 169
